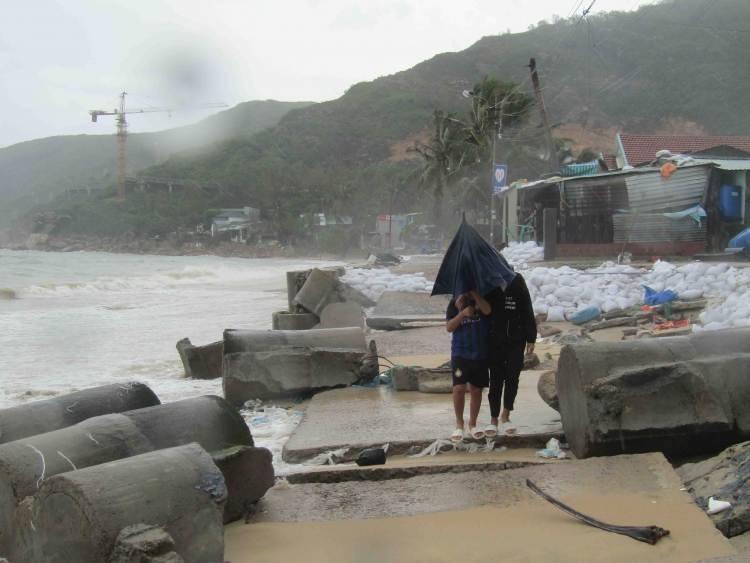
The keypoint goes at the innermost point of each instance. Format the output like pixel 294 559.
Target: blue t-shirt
pixel 470 338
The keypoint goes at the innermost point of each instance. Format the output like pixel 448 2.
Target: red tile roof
pixel 610 161
pixel 640 149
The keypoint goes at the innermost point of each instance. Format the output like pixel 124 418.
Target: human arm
pixel 454 322
pixel 482 305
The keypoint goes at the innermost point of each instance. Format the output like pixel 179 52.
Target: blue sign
pixel 498 178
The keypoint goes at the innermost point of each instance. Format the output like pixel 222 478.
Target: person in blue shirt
pixel 465 319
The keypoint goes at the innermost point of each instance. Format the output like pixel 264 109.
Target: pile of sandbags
pixel 373 283
pixel 523 252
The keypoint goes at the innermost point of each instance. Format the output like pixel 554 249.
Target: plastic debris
pixel 370 456
pixel 716 506
pixel 552 451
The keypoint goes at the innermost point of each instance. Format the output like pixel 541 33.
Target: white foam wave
pixel 166 281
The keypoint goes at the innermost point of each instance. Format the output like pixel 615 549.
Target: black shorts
pixel 470 371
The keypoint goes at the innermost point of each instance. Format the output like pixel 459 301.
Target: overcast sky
pixel 59 59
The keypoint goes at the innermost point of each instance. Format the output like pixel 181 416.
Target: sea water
pixel 70 321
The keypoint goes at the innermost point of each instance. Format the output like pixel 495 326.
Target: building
pixel 644 209
pixel 238 225
pixel 388 227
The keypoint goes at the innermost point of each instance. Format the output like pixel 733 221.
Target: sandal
pixel 510 428
pixel 457 436
pixel 490 431
pixel 473 433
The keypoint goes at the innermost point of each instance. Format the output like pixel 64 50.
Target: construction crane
pixel 122 131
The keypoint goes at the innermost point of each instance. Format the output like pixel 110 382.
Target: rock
pixel 545 331
pixel 201 362
pixel 57 244
pixel 79 516
pixel 644 334
pixel 610 323
pixel 39 417
pixel 681 396
pixel 284 320
pixel 724 477
pixel 547 390
pixel 530 362
pixel 321 289
pixel 144 544
pixel 570 337
pixel 248 474
pixel 404 378
pixel 342 315
pixel 36 240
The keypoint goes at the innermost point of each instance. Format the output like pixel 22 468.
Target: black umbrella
pixel 471 264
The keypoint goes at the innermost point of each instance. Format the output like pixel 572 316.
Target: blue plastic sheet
pixel 742 240
pixel 471 264
pixel 657 298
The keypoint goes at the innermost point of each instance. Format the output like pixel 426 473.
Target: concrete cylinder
pixel 209 421
pixel 284 320
pixel 238 341
pixel 678 395
pixel 78 516
pixel 248 474
pixel 321 289
pixel 45 416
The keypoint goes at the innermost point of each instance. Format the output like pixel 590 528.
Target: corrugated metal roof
pixel 657 228
pixel 651 192
pixel 726 163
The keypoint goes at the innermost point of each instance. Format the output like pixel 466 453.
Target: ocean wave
pixel 191 275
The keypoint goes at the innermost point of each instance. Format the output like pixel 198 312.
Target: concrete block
pixel 610 323
pixel 294 282
pixel 681 395
pixel 321 289
pixel 399 310
pixel 248 474
pixel 201 362
pixel 284 320
pixel 285 373
pixel 209 421
pixel 78 516
pixel 238 341
pixel 342 315
pixel 39 417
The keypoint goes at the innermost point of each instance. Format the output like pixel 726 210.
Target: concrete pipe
pixel 24 465
pixel 78 516
pixel 45 416
pixel 680 395
pixel 322 289
pixel 238 341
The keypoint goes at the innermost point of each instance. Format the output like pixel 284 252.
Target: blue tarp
pixel 656 298
pixel 471 264
pixel 742 240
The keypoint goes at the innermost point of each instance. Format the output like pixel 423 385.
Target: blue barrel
pixel 585 315
pixel 730 201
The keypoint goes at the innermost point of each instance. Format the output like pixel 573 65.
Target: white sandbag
pixel 552 300
pixel 715 326
pixel 741 323
pixel 741 313
pixel 717 270
pixel 546 290
pixel 609 306
pixel 691 294
pixel 565 293
pixel 556 314
pixel 541 307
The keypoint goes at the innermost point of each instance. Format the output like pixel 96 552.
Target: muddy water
pixel 531 532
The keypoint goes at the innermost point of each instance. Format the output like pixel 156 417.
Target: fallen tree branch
pixel 648 534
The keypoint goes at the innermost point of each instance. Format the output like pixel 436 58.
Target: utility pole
pixel 492 185
pixel 545 121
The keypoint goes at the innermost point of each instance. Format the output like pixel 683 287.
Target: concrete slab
pixel 364 418
pixel 399 310
pixel 417 520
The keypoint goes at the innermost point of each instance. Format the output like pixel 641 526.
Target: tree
pixel 444 155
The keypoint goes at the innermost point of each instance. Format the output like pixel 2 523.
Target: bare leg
pixel 459 398
pixel 474 404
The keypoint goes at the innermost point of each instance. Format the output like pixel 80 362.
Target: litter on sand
pixel 716 506
pixel 552 451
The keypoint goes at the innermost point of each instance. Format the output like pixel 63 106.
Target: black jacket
pixel 512 316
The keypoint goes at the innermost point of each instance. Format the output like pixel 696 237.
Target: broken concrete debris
pixel 681 396
pixel 398 310
pixel 248 474
pixel 79 516
pixel 725 478
pixel 264 365
pixel 144 544
pixel 547 390
pixel 284 320
pixel 342 315
pixel 39 417
pixel 321 289
pixel 200 362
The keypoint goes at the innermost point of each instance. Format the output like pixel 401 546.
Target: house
pixel 238 225
pixel 388 227
pixel 698 207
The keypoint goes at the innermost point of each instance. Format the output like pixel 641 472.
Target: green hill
pixel 671 67
pixel 34 171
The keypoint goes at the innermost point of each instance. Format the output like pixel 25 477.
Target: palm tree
pixel 445 154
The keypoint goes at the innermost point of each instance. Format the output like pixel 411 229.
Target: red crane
pixel 122 131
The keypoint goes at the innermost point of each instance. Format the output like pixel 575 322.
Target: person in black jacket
pixel 512 330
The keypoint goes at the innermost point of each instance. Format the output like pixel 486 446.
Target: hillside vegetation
pixel 33 171
pixel 673 66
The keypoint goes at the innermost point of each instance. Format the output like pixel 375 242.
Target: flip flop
pixel 510 428
pixel 457 436
pixel 474 431
pixel 490 431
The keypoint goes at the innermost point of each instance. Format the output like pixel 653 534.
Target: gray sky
pixel 59 59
